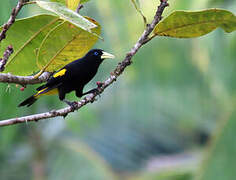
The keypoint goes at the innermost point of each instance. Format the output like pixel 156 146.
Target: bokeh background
pixel 155 122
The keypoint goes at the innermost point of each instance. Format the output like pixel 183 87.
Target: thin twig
pixel 30 2
pixel 5 28
pixel 114 75
pixel 140 12
pixel 12 18
pixel 5 58
pixel 80 6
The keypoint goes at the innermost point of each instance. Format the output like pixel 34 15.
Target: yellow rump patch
pixel 41 93
pixel 60 73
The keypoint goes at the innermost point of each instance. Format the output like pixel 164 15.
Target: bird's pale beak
pixel 106 55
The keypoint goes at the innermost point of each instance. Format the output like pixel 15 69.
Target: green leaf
pixel 64 44
pixel 220 163
pixel 84 1
pixel 67 14
pixel 26 36
pixel 59 1
pixel 72 4
pixel 183 24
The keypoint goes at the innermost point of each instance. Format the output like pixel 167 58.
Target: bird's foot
pixel 72 104
pixel 95 90
pixel 99 84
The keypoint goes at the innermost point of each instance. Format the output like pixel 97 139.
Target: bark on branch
pixel 23 80
pixel 12 19
pixel 114 75
pixel 5 58
pixel 8 78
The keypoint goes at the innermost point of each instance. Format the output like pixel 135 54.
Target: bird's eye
pixel 95 53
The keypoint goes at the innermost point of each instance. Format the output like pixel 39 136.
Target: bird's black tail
pixel 28 102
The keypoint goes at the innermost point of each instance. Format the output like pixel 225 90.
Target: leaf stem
pixel 29 2
pixel 140 12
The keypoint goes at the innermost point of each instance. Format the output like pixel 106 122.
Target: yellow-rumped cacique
pixel 72 77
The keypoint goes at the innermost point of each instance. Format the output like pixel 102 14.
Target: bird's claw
pixel 72 104
pixel 99 84
pixel 96 92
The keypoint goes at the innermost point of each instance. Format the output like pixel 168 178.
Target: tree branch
pixel 23 80
pixel 5 58
pixel 12 19
pixel 80 6
pixel 8 78
pixel 114 75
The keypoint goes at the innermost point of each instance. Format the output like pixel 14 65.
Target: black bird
pixel 72 77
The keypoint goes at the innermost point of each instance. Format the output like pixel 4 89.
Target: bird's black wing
pixel 55 80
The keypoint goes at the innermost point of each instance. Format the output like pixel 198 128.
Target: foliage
pixel 71 43
pixel 67 14
pixel 183 24
pixel 170 101
pixel 71 4
pixel 50 43
pixel 32 43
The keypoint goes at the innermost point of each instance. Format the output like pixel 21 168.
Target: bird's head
pixel 99 55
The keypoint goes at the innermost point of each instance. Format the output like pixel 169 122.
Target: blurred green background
pixel 155 122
